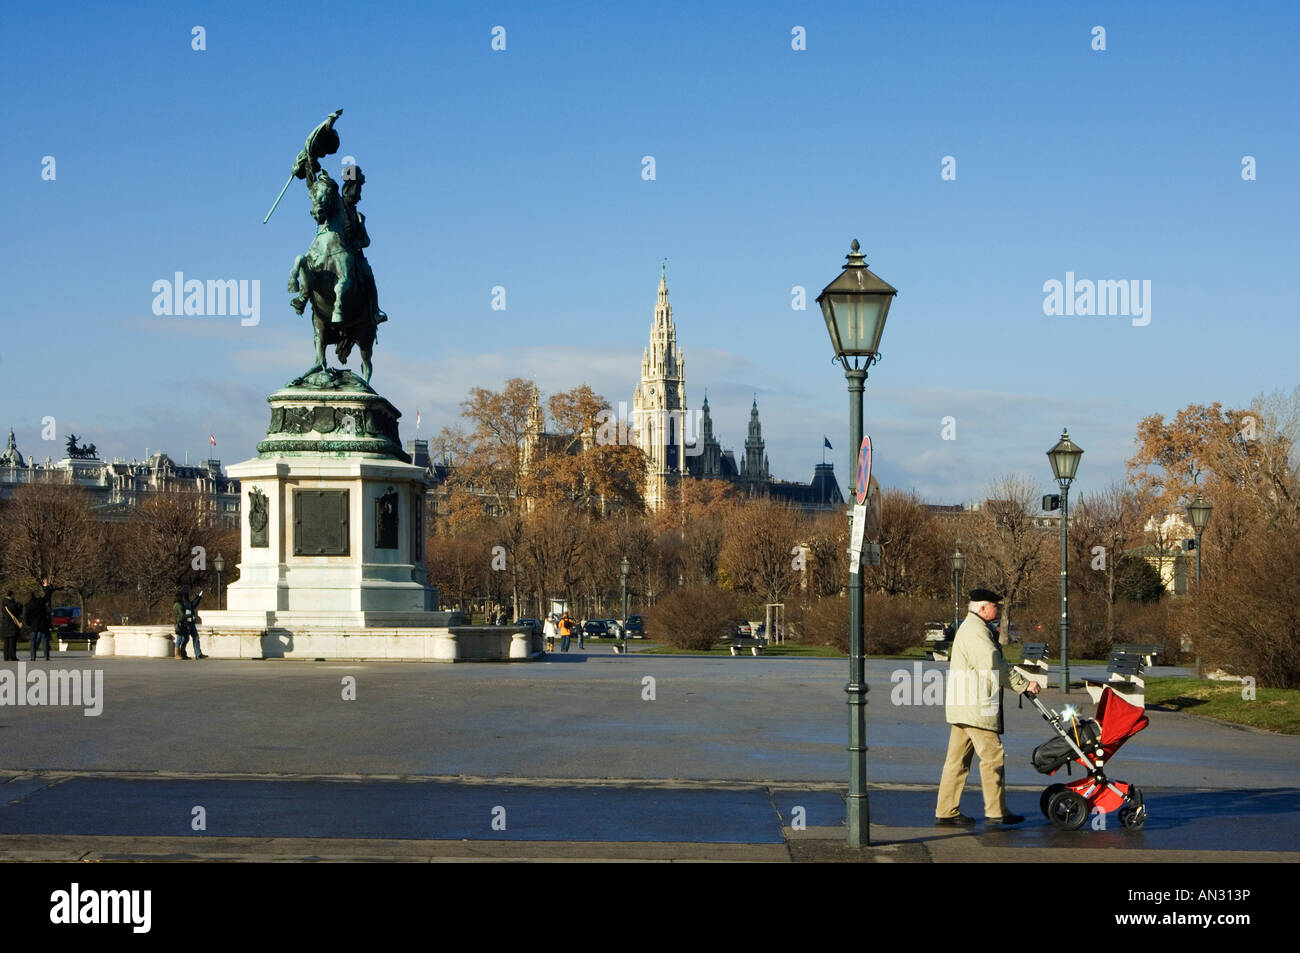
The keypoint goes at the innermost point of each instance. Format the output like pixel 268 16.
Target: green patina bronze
pixel 332 412
pixel 333 275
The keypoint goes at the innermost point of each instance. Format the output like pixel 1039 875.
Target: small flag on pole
pixel 417 420
pixel 213 438
pixel 827 442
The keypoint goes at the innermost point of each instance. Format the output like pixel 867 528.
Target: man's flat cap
pixel 984 595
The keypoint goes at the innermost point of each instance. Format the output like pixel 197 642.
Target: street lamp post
pixel 1199 511
pixel 958 564
pixel 219 564
pixel 855 306
pixel 624 566
pixel 1065 458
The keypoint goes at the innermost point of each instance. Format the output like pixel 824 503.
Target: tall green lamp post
pixel 855 306
pixel 1199 511
pixel 1065 457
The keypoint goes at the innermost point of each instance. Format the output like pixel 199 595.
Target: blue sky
pixel 523 168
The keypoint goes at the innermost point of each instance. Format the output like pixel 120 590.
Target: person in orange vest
pixel 566 630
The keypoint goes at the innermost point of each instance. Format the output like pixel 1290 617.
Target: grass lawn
pixel 914 653
pixel 1272 709
pixel 789 650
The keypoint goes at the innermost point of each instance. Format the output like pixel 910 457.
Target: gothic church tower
pixel 659 404
pixel 754 475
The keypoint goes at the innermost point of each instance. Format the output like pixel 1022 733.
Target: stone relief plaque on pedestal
pixel 320 522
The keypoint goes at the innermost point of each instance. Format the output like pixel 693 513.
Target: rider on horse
pixel 334 274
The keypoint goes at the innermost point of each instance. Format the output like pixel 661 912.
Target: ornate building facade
pixel 116 487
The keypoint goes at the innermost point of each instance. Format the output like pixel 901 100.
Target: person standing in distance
pixel 36 616
pixel 11 621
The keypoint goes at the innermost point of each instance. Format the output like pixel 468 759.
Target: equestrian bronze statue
pixel 333 275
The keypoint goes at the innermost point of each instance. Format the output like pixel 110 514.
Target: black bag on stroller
pixel 1056 752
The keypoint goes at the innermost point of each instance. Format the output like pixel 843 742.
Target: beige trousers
pixel 964 741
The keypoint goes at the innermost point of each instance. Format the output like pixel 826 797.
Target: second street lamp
pixel 219 564
pixel 1065 458
pixel 958 564
pixel 624 566
pixel 1199 511
pixel 855 306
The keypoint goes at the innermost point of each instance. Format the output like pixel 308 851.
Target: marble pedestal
pixel 332 542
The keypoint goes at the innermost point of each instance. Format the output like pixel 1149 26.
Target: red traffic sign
pixel 864 470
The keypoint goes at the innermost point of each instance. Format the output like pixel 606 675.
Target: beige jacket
pixel 977 676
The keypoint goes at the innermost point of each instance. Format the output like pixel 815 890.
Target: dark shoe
pixel 200 656
pixel 1005 820
pixel 184 657
pixel 957 820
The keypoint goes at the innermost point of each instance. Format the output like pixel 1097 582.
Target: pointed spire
pixel 663 310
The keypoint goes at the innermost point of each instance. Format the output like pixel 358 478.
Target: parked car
pixel 741 629
pixel 614 628
pixel 937 631
pixel 635 627
pixel 595 629
pixel 532 625
pixel 65 619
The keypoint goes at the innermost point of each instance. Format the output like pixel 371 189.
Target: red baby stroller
pixel 1091 743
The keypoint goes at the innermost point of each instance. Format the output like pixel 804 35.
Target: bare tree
pixel 50 532
pixel 168 541
pixel 1112 522
pixel 757 555
pixel 1009 549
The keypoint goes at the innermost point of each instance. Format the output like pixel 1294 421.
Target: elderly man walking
pixel 977 676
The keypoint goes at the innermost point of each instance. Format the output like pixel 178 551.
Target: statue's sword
pixel 277 199
pixel 318 144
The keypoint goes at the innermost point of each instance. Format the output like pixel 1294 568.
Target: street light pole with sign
pixel 855 306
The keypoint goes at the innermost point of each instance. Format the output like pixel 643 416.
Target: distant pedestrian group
pixel 564 628
pixel 35 617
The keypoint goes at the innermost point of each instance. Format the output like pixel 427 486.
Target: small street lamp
pixel 219 564
pixel 855 306
pixel 958 564
pixel 1065 458
pixel 1199 511
pixel 624 566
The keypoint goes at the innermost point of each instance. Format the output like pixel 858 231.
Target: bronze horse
pixel 328 275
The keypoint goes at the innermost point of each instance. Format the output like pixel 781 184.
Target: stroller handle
pixel 1043 710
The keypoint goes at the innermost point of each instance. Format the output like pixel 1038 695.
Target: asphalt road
pixel 580 748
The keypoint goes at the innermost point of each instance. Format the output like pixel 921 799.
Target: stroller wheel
pixel 1046 796
pixel 1067 810
pixel 1134 815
